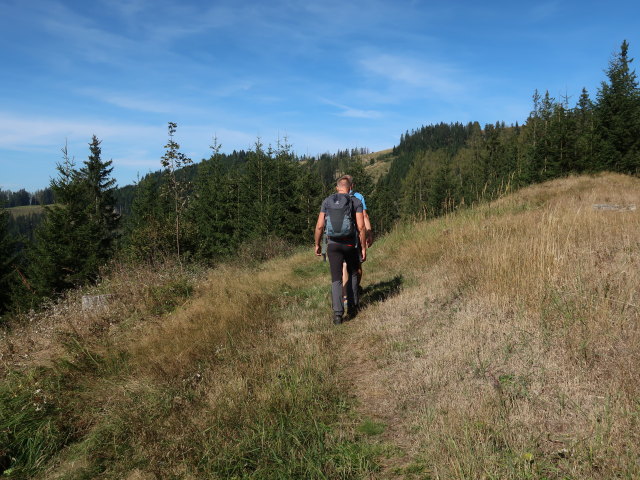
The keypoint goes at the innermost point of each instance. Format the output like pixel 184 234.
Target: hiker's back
pixel 340 216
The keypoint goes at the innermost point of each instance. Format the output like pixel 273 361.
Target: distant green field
pixel 26 210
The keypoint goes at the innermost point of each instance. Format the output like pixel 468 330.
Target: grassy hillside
pixel 497 342
pixel 25 210
pixel 377 164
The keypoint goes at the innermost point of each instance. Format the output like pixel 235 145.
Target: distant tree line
pixel 23 198
pixel 252 203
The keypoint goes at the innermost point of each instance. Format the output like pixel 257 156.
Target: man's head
pixel 351 182
pixel 343 185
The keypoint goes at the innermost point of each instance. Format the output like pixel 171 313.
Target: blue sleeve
pixel 359 196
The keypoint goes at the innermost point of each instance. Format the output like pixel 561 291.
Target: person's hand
pixel 318 251
pixel 364 254
pixel 369 238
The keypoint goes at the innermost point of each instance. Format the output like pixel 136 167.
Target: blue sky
pixel 327 75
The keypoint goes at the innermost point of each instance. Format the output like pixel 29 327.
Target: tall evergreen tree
pixel 101 215
pixel 618 115
pixel 76 236
pixel 8 258
pixel 585 133
pixel 256 196
pixel 58 258
pixel 212 209
pixel 149 229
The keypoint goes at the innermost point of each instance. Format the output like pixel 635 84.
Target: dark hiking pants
pixel 339 253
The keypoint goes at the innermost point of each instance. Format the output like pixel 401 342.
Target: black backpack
pixel 340 218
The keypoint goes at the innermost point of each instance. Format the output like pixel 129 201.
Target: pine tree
pixel 177 189
pixel 585 133
pixel 440 194
pixel 212 209
pixel 416 188
pixel 149 228
pixel 76 236
pixel 255 196
pixel 618 115
pixel 310 193
pixel 288 219
pixel 102 218
pixel 59 257
pixel 8 258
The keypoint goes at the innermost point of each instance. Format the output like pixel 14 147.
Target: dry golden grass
pixel 137 294
pixel 379 167
pixel 513 352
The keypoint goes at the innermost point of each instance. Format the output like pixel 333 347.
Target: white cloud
pixel 354 112
pixel 28 133
pixel 141 103
pixel 403 72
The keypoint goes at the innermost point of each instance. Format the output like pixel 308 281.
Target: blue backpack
pixel 340 218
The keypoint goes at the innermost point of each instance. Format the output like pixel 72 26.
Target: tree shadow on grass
pixel 379 292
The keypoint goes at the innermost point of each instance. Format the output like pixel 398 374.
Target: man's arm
pixel 317 234
pixel 368 229
pixel 362 234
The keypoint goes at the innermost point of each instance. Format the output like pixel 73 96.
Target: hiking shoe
pixel 352 312
pixel 337 319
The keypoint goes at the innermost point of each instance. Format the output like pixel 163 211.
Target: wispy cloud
pixel 351 112
pixel 25 133
pixel 433 78
pixel 141 102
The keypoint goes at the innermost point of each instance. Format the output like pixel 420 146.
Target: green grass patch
pixel 311 269
pixel 370 427
pixel 34 421
pixel 294 435
pixel 165 298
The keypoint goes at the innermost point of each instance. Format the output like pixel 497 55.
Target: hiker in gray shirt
pixel 342 216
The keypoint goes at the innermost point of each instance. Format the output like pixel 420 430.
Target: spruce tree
pixel 149 229
pixel 310 193
pixel 59 256
pixel 618 115
pixel 102 218
pixel 212 209
pixel 76 236
pixel 585 133
pixel 8 259
pixel 255 196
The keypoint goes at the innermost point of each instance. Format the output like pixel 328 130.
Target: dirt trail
pixel 370 380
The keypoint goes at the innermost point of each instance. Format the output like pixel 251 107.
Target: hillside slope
pixel 512 350
pixel 498 342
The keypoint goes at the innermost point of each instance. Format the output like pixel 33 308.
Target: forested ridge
pixel 263 201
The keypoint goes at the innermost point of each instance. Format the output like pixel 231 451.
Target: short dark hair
pixel 342 179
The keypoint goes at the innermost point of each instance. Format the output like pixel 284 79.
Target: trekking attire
pixel 340 223
pixel 324 247
pixel 360 197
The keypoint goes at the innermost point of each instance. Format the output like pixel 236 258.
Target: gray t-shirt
pixel 356 205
